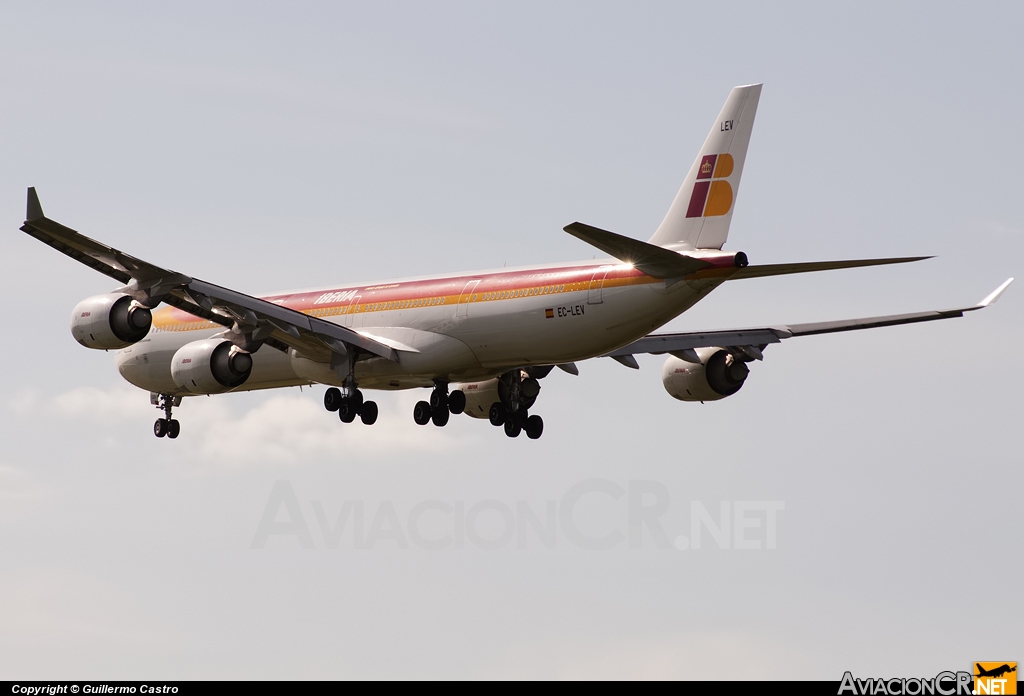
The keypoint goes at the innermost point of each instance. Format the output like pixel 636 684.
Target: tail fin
pixel 700 215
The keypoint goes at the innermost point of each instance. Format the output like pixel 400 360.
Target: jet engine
pixel 718 374
pixel 210 366
pixel 479 397
pixel 109 322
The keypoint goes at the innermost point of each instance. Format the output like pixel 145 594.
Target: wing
pixel 258 320
pixel 753 341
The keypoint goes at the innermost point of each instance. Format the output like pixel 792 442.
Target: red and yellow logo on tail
pixel 712 195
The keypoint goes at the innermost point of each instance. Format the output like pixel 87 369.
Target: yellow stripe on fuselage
pixel 163 320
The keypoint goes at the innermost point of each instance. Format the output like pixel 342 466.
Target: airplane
pixel 995 672
pixel 481 341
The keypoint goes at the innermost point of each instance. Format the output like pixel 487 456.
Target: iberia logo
pixel 712 194
pixel 995 677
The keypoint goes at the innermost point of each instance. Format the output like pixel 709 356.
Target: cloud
pixel 101 406
pixel 281 428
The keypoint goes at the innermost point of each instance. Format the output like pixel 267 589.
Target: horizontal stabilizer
pixel 655 261
pixel 776 269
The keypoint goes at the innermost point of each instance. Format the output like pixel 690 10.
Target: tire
pixel 357 399
pixel 440 416
pixel 368 414
pixel 173 429
pixel 160 428
pixel 421 413
pixel 438 399
pixel 457 402
pixel 332 399
pixel 347 411
pixel 498 414
pixel 534 427
pixel 512 427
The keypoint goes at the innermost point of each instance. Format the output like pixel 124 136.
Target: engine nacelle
pixel 718 374
pixel 109 322
pixel 210 366
pixel 479 397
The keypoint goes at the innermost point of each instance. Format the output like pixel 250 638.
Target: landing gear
pixel 518 392
pixel 348 401
pixel 517 423
pixel 332 399
pixel 513 427
pixel 534 427
pixel 441 406
pixel 457 402
pixel 368 414
pixel 440 417
pixel 347 411
pixel 421 413
pixel 498 414
pixel 348 407
pixel 166 426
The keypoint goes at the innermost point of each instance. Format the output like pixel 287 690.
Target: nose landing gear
pixel 166 426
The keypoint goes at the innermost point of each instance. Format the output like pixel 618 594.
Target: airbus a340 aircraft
pixel 481 341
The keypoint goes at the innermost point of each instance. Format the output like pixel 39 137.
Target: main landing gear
pixel 350 404
pixel 166 426
pixel 518 391
pixel 441 406
pixel 516 422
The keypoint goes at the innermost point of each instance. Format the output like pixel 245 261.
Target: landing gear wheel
pixel 438 399
pixel 357 399
pixel 332 399
pixel 368 414
pixel 421 413
pixel 457 402
pixel 347 411
pixel 160 428
pixel 173 429
pixel 534 427
pixel 513 427
pixel 498 414
pixel 440 416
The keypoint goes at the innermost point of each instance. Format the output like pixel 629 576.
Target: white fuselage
pixel 460 328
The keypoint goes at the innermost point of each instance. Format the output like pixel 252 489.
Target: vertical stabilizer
pixel 700 215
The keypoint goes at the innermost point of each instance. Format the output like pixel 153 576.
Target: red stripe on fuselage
pixel 575 278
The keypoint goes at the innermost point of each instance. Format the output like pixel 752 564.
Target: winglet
pixel 34 211
pixel 994 295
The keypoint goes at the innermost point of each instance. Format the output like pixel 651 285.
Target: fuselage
pixel 463 328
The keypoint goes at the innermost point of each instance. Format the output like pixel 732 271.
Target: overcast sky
pixel 272 146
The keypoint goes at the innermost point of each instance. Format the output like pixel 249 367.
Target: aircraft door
pixel 348 319
pixel 462 306
pixel 596 294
